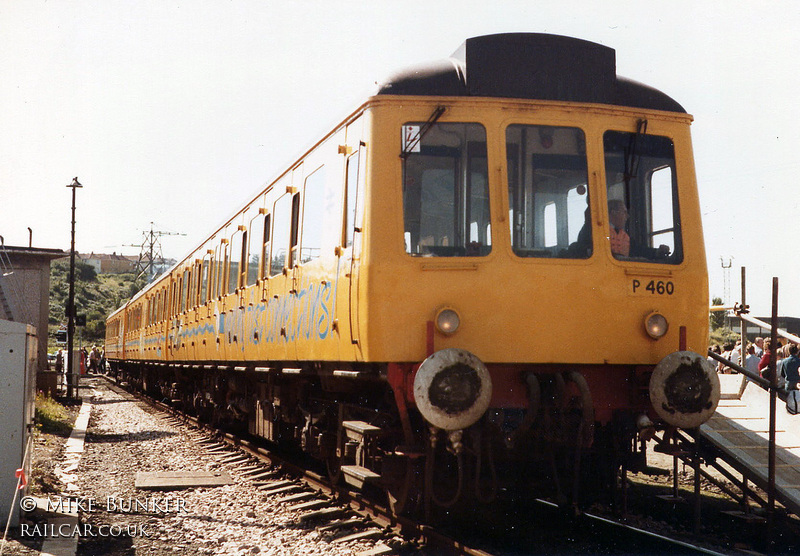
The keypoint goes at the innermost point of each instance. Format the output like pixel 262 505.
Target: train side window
pixel 193 289
pixel 281 226
pixel 235 256
pixel 445 190
pixel 170 308
pixel 185 280
pixel 295 228
pixel 255 249
pixel 313 216
pixel 642 182
pixel 198 283
pixel 222 279
pixel 205 268
pixel 351 192
pixel 548 192
pixel 216 271
pixel 265 246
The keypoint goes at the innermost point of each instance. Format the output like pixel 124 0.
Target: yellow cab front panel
pixel 486 218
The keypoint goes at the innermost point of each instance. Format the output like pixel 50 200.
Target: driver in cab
pixel 620 240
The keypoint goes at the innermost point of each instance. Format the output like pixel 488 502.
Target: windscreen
pixel 445 190
pixel 642 197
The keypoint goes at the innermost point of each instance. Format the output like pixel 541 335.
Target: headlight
pixel 447 321
pixel 656 325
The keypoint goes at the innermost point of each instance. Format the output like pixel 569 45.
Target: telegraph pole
pixel 71 300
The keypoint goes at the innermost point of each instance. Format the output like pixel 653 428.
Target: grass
pixel 51 416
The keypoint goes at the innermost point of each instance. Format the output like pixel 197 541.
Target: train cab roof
pixel 529 66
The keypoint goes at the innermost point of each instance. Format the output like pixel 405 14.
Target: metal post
pixel 743 349
pixel 71 299
pixel 773 394
pixel 697 497
pixel 675 492
pixel 743 357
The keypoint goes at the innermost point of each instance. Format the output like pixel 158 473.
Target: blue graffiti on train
pixel 303 315
pixel 306 314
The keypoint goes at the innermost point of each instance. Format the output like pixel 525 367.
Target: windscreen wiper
pixel 632 157
pixel 412 144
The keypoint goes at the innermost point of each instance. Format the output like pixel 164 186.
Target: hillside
pixel 96 296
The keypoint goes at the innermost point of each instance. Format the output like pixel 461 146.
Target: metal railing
pixel 769 384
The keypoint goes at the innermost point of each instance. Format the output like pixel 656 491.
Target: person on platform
pixel 752 360
pixel 791 364
pixel 759 346
pixel 94 358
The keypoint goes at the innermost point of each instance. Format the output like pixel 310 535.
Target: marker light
pixel 447 321
pixel 656 325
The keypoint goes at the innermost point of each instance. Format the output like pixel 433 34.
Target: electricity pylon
pixel 151 258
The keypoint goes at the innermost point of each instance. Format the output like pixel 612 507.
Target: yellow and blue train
pixel 493 270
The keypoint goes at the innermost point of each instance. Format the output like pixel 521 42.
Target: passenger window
pixel 313 216
pixel 235 255
pixel 216 270
pixel 294 231
pixel 184 289
pixel 280 234
pixel 445 190
pixel 265 246
pixel 192 301
pixel 351 192
pixel 223 267
pixel 255 248
pixel 204 276
pixel 547 191
pixel 644 220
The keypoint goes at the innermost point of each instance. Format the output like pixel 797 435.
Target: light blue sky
pixel 157 103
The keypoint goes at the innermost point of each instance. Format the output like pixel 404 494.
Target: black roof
pixel 529 66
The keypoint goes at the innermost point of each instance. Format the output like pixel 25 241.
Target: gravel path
pixel 126 437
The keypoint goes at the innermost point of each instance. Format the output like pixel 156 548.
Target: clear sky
pixel 177 113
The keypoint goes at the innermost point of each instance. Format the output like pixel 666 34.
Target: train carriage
pixel 497 260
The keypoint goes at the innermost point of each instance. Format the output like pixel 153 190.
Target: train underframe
pixel 358 426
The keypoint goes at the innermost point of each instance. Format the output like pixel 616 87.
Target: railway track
pixel 342 515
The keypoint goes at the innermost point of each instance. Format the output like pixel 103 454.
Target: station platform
pixel 739 430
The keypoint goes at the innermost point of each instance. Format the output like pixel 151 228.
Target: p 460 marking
pixel 643 286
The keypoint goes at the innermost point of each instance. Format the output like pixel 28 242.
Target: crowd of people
pixel 757 358
pixel 91 360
